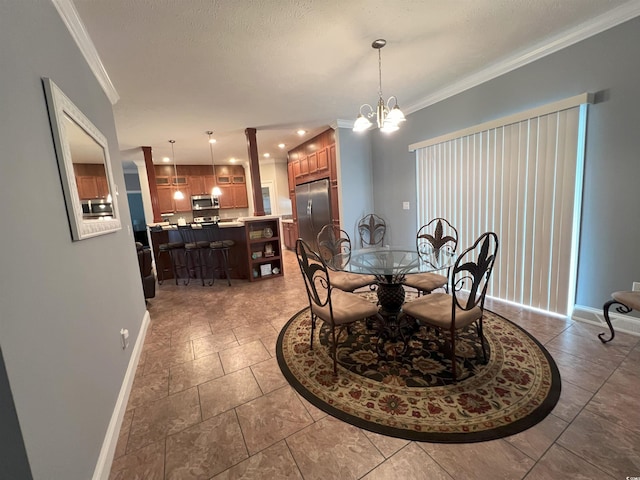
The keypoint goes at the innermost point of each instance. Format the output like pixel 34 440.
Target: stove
pixel 214 219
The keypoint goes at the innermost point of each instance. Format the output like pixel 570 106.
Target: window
pixel 520 177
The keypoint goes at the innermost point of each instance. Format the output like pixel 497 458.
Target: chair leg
pixel 225 263
pixel 174 262
pixel 453 355
pixel 481 335
pixel 187 257
pixel 605 309
pixel 335 349
pixel 313 327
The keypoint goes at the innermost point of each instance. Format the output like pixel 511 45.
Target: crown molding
pixel 341 123
pixel 67 11
pixel 567 38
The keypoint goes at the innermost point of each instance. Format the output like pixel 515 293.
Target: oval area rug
pixel 412 395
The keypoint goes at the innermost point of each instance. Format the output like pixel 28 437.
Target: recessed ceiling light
pixel 301 132
pixel 166 159
pixel 281 145
pixel 232 160
pixel 266 155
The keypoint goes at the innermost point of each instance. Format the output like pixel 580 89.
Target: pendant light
pixel 177 195
pixel 388 117
pixel 215 191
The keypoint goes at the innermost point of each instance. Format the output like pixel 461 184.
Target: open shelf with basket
pixel 264 250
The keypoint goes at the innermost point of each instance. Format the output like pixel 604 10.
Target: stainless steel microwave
pixel 99 207
pixel 203 202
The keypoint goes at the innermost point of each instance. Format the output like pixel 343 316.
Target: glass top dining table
pixel 390 265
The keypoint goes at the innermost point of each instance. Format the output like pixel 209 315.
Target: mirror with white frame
pixel 85 167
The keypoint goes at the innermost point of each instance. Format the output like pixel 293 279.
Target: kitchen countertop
pixel 173 226
pixel 240 222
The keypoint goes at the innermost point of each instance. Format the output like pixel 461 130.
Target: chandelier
pixel 388 117
pixel 177 195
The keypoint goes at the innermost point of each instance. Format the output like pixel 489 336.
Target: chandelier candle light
pixel 388 117
pixel 177 195
pixel 215 191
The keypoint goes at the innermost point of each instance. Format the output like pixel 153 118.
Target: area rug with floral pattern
pixel 411 394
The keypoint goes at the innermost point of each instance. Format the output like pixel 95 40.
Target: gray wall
pixel 355 178
pixel 610 232
pixel 63 302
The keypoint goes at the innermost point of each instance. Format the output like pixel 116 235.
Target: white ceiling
pixel 183 67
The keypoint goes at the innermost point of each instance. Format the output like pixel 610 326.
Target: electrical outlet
pixel 405 205
pixel 636 287
pixel 124 336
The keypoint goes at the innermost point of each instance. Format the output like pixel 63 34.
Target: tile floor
pixel 209 402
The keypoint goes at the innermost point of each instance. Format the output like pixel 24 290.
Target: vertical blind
pixel 522 180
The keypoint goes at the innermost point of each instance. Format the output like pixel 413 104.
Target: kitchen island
pixel 255 254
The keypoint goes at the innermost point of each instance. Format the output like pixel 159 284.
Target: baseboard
pixel 103 467
pixel 621 323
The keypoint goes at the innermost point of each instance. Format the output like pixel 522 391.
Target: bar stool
pixel 192 252
pixel 220 248
pixel 169 251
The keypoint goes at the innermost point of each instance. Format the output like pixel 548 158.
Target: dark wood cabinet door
pixel 165 200
pixel 87 188
pixel 209 183
pixel 304 166
pixel 323 160
pixel 184 204
pixel 196 184
pixel 312 160
pixel 240 198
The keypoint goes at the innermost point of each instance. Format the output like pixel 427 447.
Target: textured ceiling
pixel 184 67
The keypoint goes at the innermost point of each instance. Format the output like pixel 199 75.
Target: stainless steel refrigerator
pixel 313 208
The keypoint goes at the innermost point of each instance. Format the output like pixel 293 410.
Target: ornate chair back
pixel 371 229
pixel 436 237
pixel 334 246
pixel 471 273
pixel 315 275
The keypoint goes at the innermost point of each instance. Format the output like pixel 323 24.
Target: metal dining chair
pixel 464 305
pixel 334 246
pixel 336 308
pixel 372 229
pixel 436 238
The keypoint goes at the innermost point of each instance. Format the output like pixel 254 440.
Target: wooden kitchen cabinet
pixel 196 184
pixel 289 234
pixel 209 183
pixel 233 196
pixel 91 181
pixel 323 159
pixel 184 204
pixel 304 166
pixel 312 160
pixel 166 202
pixel 165 199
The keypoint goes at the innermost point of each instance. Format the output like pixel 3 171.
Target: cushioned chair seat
pixel 425 282
pixel 347 308
pixel 435 309
pixel 222 244
pixel 348 281
pixel 630 299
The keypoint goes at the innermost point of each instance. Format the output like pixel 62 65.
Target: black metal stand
pixel 605 309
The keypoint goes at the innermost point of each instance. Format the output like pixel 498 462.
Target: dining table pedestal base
pixel 390 297
pixel 392 323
